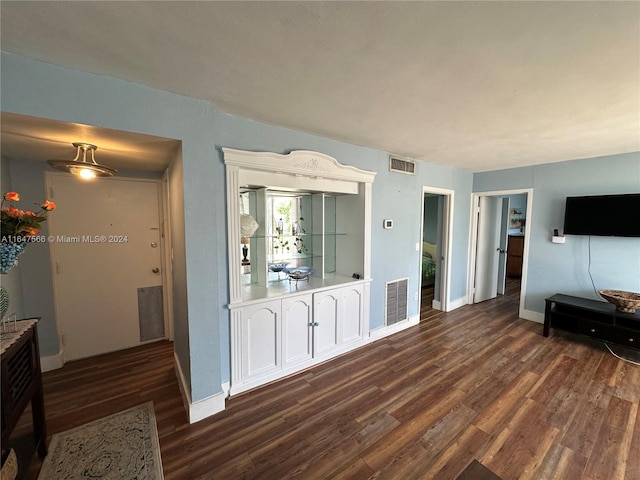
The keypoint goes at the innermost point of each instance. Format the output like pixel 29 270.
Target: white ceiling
pixel 39 139
pixel 476 85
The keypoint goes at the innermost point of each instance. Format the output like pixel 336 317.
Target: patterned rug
pixel 122 446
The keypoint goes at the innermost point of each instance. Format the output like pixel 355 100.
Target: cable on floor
pixel 618 356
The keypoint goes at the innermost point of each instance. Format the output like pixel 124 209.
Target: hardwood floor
pixel 426 300
pixel 475 383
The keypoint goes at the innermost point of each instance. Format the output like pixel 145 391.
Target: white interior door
pixel 105 238
pixel 504 239
pixel 488 249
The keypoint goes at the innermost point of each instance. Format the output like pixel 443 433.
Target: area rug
pixel 476 471
pixel 122 446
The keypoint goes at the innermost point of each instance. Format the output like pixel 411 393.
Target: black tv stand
pixel 592 318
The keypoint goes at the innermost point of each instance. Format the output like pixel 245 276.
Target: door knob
pixel 155 270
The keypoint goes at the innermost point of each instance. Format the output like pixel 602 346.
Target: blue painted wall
pixel 202 325
pixel 430 219
pixel 396 196
pixel 202 328
pixel 44 90
pixel 564 268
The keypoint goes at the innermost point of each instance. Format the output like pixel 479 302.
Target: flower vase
pixel 9 253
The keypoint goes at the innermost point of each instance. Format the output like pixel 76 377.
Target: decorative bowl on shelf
pixel 299 273
pixel 627 302
pixel 277 267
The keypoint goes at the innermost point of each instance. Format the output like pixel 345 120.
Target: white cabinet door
pixel 297 316
pixel 351 314
pixel 261 337
pixel 275 338
pixel 326 308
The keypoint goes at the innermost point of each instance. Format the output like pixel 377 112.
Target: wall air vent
pixel 402 165
pixel 397 301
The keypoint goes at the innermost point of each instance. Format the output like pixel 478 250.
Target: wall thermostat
pixel 387 224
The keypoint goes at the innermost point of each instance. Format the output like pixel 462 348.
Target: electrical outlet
pixel 415 296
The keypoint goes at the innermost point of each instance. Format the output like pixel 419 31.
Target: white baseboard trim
pixel 226 389
pixel 203 408
pixel 206 407
pixel 460 302
pixel 436 305
pixel 382 332
pixel 182 384
pixel 51 362
pixel 532 316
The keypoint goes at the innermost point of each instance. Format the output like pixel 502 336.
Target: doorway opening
pixel 435 248
pixel 499 245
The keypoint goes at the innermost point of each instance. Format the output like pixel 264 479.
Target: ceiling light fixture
pixel 81 166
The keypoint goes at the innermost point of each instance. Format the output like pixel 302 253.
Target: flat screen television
pixel 604 215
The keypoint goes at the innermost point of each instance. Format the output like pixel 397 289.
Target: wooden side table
pixel 22 382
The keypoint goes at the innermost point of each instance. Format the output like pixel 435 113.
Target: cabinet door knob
pixel 593 330
pixel 631 339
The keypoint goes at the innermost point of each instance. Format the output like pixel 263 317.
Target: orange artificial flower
pixel 13 212
pixel 48 205
pixel 12 197
pixel 18 224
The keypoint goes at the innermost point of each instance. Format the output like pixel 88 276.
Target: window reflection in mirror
pixel 288 220
pixel 284 235
pixel 283 212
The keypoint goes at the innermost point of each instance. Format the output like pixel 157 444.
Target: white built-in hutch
pixel 312 212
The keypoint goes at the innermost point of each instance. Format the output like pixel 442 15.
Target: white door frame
pixel 473 240
pixel 167 256
pixel 504 243
pixel 161 213
pixel 447 239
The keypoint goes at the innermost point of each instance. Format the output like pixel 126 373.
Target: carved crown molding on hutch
pixel 298 162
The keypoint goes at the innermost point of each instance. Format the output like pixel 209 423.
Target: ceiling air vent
pixel 402 166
